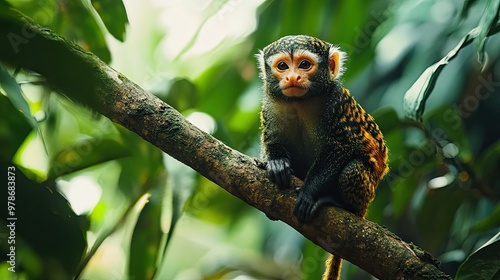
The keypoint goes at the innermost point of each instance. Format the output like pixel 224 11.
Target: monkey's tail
pixel 333 266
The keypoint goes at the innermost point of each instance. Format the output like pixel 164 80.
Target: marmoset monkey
pixel 314 129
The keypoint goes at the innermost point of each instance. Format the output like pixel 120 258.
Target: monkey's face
pixel 299 66
pixel 294 71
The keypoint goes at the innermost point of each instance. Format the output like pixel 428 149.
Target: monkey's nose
pixel 293 78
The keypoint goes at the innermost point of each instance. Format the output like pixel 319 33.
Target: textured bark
pixel 82 77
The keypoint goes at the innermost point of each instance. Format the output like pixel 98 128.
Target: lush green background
pixel 126 197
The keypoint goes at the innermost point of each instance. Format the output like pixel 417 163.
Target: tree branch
pixel 83 77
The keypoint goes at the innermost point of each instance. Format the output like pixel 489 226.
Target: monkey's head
pixel 300 66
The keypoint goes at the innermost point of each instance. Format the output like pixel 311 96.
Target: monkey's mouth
pixel 294 90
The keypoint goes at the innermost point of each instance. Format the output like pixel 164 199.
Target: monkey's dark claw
pixel 280 171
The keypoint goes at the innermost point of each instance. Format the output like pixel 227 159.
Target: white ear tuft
pixel 261 64
pixel 336 59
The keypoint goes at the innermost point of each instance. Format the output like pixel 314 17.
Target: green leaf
pixel 446 124
pixel 86 153
pixel 183 188
pixel 143 166
pixel 13 91
pixel 142 172
pixel 466 8
pixel 419 92
pixel 482 264
pixel 11 120
pixel 491 221
pixel 179 93
pixel 4 4
pixel 215 84
pixel 403 189
pixel 146 239
pixel 486 24
pixel 114 16
pixel 50 237
pixel 76 22
pixel 487 165
pixel 147 248
pixel 434 220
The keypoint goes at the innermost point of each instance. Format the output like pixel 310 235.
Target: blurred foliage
pixel 442 192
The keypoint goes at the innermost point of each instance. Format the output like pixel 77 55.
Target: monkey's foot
pixel 306 206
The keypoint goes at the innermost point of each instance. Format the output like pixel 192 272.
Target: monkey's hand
pixel 280 171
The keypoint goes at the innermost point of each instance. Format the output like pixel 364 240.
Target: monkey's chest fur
pixel 298 125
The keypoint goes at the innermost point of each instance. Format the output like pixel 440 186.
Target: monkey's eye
pixel 282 65
pixel 305 64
